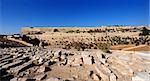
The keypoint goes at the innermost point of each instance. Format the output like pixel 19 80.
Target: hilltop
pixel 76 54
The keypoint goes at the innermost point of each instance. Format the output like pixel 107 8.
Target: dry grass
pixel 139 48
pixel 131 47
pixel 118 47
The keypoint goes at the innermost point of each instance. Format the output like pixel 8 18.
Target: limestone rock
pixel 141 76
pixel 112 77
pixel 95 77
pixel 103 76
pixel 21 68
pixel 118 66
pixel 57 54
pixel 77 61
pixel 86 58
pixel 41 69
pixel 63 57
pixel 40 61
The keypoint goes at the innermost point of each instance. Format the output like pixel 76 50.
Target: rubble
pixel 57 54
pixel 87 60
pixel 42 69
pixel 20 68
pixel 43 64
pixel 7 66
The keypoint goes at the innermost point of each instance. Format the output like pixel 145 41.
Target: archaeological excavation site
pixel 76 54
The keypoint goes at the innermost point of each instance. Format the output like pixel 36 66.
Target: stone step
pixel 6 57
pixel 102 74
pixel 14 64
pixel 21 68
pixel 7 60
pixel 24 58
pixel 16 58
pixel 2 64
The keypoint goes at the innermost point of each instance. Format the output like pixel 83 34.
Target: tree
pixel 56 30
pixel 35 42
pixel 145 32
pixel 26 38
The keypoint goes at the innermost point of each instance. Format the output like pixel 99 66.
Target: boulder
pixel 76 62
pixel 48 63
pixel 112 77
pixel 87 60
pixel 102 57
pixel 64 62
pixel 41 69
pixel 57 54
pixel 37 60
pixel 62 57
pixel 35 57
pixel 40 60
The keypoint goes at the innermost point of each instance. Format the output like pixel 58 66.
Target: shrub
pixel 56 30
pixel 35 42
pixel 145 32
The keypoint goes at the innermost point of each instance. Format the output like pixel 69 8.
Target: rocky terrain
pixel 76 54
pixel 44 64
pixel 4 42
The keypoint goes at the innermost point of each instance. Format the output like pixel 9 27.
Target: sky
pixel 15 14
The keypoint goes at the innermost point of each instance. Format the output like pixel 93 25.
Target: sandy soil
pixel 120 47
pixel 138 48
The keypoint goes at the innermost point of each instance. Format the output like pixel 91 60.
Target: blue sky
pixel 15 14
